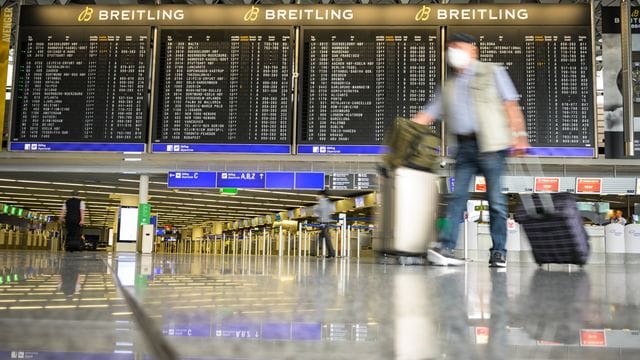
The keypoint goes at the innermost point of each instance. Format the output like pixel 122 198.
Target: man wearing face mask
pixel 479 104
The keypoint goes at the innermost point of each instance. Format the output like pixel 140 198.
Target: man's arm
pixel 516 123
pixel 430 112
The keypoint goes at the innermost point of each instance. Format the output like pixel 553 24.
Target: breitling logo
pixel 85 15
pixel 423 14
pixel 252 14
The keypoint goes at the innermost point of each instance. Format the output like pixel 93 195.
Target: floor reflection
pixel 259 307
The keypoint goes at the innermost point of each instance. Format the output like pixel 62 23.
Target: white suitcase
pixel 407 217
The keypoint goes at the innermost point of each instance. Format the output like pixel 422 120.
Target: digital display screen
pixel 551 68
pixel 128 224
pixel 81 84
pixel 355 82
pixel 224 86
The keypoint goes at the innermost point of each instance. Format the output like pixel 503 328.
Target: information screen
pixel 355 82
pixel 223 86
pixel 552 70
pixel 81 85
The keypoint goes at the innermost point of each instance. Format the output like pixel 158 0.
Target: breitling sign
pixel 316 15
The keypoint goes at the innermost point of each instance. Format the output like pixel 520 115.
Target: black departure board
pixel 355 82
pixel 224 86
pixel 81 85
pixel 551 67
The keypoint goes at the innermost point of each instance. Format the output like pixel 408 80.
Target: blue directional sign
pixel 246 180
pixel 280 180
pixel 222 148
pixel 243 180
pixel 76 146
pixel 342 149
pixel 309 181
pixel 191 179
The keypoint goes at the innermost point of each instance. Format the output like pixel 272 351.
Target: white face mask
pixel 457 58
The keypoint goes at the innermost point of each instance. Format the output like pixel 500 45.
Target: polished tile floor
pixel 127 306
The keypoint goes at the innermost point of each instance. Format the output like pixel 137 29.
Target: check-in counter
pixel 632 239
pixel 10 239
pixel 479 241
pixel 614 239
pixel 597 241
pixel 484 241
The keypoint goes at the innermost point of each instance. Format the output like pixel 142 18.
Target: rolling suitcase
pixel 407 218
pixel 555 228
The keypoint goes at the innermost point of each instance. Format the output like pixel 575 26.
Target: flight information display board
pixel 81 89
pixel 356 81
pixel 224 90
pixel 552 69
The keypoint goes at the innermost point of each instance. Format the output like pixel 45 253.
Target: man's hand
pixel 519 145
pixel 423 118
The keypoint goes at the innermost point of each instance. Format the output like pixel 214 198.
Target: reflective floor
pixel 126 306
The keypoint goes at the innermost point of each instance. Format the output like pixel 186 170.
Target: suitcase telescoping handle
pixel 533 166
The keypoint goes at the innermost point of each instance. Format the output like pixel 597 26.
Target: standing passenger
pixel 480 106
pixel 72 215
pixel 323 212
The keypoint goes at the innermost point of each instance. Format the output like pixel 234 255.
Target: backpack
pixel 412 145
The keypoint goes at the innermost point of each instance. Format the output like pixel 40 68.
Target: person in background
pixel 480 107
pixel 618 218
pixel 323 211
pixel 72 216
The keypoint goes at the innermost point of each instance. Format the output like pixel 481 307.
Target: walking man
pixel 479 105
pixel 323 211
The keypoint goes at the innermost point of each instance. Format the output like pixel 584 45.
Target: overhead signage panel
pixel 191 179
pixel 221 148
pixel 243 180
pixel 366 181
pixel 310 181
pixel 342 181
pixel 246 180
pixel 280 180
pixel 324 15
pixel 74 146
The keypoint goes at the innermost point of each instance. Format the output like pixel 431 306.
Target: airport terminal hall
pixel 320 179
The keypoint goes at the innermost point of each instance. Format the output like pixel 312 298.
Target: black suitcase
pixel 555 228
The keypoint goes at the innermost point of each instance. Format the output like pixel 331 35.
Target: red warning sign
pixel 547 184
pixel 480 184
pixel 592 338
pixel 588 186
pixel 482 335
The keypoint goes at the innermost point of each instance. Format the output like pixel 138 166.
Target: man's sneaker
pixel 443 257
pixel 498 259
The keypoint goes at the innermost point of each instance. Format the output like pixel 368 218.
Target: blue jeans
pixel 469 162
